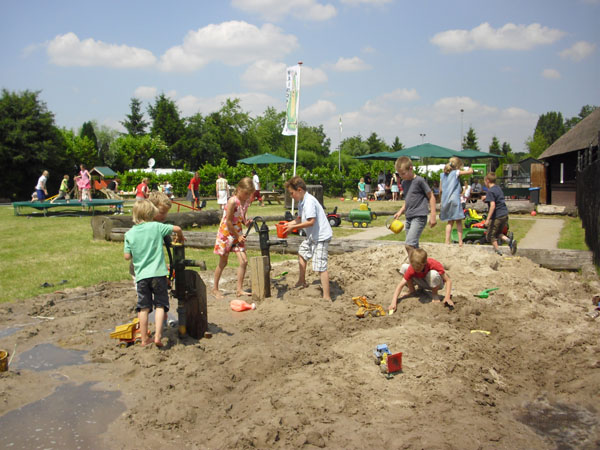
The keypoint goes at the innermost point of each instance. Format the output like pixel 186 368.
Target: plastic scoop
pixel 486 292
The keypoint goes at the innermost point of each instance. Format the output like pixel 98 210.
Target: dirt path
pixel 543 234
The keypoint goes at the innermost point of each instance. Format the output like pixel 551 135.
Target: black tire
pixel 332 221
pixel 373 216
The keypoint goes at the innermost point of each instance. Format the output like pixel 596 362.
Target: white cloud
pixel 233 43
pixel 145 92
pixel 578 51
pixel 264 75
pixel 276 10
pixel 509 37
pixel 354 64
pixel 67 50
pixel 251 102
pixel 368 2
pixel 317 110
pixel 551 74
pixel 401 95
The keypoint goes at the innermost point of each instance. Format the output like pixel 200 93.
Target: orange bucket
pixel 281 231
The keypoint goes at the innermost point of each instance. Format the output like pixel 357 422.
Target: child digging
pixel 230 237
pixel 426 272
pixel 143 245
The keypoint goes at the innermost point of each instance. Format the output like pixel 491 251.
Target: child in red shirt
pixel 426 272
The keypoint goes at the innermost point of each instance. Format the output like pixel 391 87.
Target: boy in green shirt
pixel 63 190
pixel 144 246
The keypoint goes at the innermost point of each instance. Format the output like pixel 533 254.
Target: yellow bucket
pixel 394 225
pixel 363 207
pixel 3 360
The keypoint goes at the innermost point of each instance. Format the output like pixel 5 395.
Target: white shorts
pixel 318 251
pixel 432 280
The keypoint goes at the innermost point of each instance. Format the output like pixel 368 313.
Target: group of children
pixel 143 243
pixel 83 181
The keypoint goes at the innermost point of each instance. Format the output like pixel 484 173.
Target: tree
pixel 470 140
pixel 87 130
pixel 166 122
pixel 551 126
pixel 267 133
pixel 537 144
pixel 585 111
pixel 495 146
pixel 396 145
pixel 376 145
pixel 313 139
pixel 506 148
pixel 134 151
pixel 354 146
pixel 106 136
pixel 29 144
pixel 135 123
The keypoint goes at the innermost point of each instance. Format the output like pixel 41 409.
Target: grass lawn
pixel 38 249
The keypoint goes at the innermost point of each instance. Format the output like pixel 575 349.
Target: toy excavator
pixel 366 309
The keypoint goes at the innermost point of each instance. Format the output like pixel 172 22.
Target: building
pixel 569 154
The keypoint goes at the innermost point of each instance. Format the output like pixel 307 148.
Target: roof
pixel 581 136
pixel 104 171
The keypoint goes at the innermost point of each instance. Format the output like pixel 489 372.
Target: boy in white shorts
pixel 313 219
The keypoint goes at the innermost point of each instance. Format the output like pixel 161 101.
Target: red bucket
pixel 281 229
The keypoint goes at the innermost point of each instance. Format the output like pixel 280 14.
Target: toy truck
pixel 128 334
pixel 362 216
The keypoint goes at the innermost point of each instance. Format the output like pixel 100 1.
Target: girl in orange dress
pixel 230 237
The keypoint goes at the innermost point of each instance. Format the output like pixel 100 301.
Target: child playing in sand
pixel 426 272
pixel 497 217
pixel 312 217
pixel 230 237
pixel 417 196
pixel 143 245
pixel 451 210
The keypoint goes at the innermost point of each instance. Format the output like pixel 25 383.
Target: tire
pixel 332 221
pixel 364 224
pixel 469 242
pixel 373 216
pixel 338 222
pixel 355 224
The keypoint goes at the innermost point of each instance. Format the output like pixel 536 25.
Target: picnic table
pixel 268 196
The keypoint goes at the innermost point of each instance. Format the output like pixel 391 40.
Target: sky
pixel 394 67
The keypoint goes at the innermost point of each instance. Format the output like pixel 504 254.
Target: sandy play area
pixel 298 372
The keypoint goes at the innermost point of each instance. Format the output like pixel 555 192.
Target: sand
pixel 299 372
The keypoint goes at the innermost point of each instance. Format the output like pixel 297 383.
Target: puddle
pixel 567 426
pixel 71 417
pixel 8 331
pixel 49 357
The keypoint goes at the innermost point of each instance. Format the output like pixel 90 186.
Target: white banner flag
pixel 293 101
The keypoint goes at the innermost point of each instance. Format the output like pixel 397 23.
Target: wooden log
pixel 260 277
pixel 551 259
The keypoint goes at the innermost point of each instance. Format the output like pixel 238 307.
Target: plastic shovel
pixel 486 292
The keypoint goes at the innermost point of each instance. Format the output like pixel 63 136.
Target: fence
pixel 588 205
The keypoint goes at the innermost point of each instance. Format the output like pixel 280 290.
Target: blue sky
pixel 394 67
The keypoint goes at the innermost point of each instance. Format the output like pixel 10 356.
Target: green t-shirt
pixel 145 244
pixel 64 185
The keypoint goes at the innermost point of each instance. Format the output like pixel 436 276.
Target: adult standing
pixel 193 194
pixel 256 182
pixel 222 189
pixel 40 187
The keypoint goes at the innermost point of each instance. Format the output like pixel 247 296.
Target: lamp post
pixel 422 137
pixel 461 128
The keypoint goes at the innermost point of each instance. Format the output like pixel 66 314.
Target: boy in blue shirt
pixel 312 217
pixel 497 217
pixel 144 245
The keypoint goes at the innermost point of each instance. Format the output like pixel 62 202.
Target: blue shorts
pixel 414 228
pixel 41 195
pixel 152 293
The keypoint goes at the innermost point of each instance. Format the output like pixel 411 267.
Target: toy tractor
pixel 334 218
pixel 128 334
pixel 476 234
pixel 362 216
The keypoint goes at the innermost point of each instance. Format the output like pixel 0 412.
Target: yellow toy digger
pixel 128 334
pixel 366 309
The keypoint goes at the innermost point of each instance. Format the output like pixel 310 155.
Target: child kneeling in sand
pixel 426 272
pixel 143 245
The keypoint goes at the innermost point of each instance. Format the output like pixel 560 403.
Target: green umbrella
pixel 265 158
pixel 473 154
pixel 425 151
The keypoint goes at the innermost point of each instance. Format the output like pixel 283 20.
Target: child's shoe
pixel 513 246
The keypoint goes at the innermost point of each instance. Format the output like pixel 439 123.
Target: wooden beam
pixel 260 277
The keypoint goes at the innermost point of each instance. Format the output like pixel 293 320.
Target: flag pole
pixel 297 125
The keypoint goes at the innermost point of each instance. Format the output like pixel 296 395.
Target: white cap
pixel 253 305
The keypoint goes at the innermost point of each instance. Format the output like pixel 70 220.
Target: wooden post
pixel 260 277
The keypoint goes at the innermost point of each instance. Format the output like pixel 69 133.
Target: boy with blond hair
pixel 427 273
pixel 143 246
pixel 419 201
